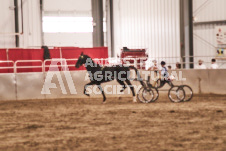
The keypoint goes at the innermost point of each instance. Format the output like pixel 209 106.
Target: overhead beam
pixel 97 13
pixel 210 22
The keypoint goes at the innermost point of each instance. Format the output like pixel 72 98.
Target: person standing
pixel 200 65
pixel 214 64
pixel 178 66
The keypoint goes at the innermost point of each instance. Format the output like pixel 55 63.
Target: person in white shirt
pixel 154 67
pixel 214 64
pixel 201 65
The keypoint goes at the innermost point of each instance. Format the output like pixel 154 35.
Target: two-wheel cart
pixel 176 93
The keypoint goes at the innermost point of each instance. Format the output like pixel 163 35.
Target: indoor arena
pixel 113 75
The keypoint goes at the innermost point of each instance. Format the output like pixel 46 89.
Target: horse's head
pixel 81 60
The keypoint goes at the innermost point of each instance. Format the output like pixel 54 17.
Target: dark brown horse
pixel 99 74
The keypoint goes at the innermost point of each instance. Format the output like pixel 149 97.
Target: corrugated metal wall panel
pixel 7 24
pixel 209 10
pixel 31 22
pixel 205 42
pixel 204 34
pixel 151 24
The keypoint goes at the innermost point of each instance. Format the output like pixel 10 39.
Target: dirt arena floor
pixel 87 124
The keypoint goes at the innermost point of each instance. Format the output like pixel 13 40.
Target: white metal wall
pixel 151 24
pixel 32 24
pixel 68 8
pixel 31 35
pixel 204 34
pixel 205 40
pixel 209 10
pixel 7 23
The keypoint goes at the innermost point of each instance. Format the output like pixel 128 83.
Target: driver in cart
pixel 163 74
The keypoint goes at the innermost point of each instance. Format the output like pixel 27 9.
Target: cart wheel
pixel 140 96
pixel 176 94
pixel 148 95
pixel 156 94
pixel 188 93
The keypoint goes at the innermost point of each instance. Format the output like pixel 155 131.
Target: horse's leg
pixel 91 83
pixel 102 91
pixel 122 84
pixel 132 89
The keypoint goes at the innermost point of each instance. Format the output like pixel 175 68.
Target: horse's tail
pixel 138 75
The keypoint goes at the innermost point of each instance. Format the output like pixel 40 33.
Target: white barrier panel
pixel 202 81
pixel 29 85
pixel 7 86
pixel 62 88
pixel 217 82
pixel 80 79
pixel 198 80
pixel 206 81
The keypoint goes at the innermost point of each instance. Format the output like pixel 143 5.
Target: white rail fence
pixel 63 64
pixel 141 63
pixel 27 67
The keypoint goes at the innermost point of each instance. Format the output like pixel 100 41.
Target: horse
pixel 100 74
